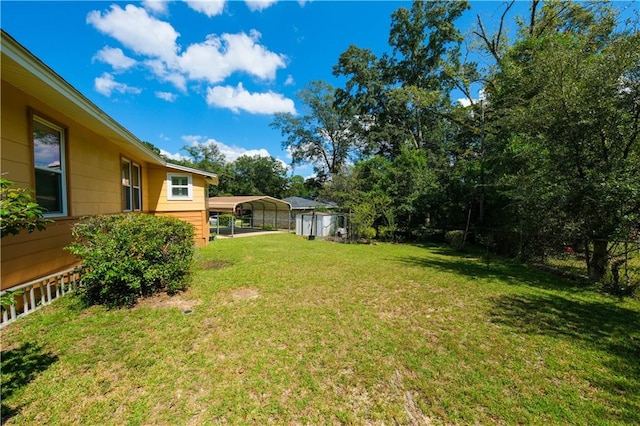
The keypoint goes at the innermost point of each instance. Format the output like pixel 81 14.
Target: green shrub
pixel 225 219
pixel 454 238
pixel 19 211
pixel 132 255
pixel 368 233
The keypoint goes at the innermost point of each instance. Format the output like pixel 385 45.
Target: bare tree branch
pixel 493 43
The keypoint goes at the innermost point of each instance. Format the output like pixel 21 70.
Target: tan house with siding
pixel 79 161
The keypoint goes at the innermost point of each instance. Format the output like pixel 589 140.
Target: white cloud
pixel 156 6
pixel 465 102
pixel 238 98
pixel 176 156
pixel 220 56
pixel 211 61
pixel 135 29
pixel 164 73
pixel 231 153
pixel 167 96
pixel 105 85
pixel 208 7
pixel 259 5
pixel 114 57
pixel 285 165
pixel 289 81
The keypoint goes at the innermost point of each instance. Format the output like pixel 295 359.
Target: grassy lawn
pixel 282 330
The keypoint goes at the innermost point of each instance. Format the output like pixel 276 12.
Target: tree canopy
pixel 546 155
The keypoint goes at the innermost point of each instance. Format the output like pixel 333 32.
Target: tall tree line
pixel 548 156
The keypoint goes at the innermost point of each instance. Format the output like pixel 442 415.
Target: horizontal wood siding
pixel 94 186
pixel 28 256
pixel 93 161
pixel 93 169
pixel 16 155
pixel 158 190
pixel 199 220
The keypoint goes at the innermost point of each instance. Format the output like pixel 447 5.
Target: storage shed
pixel 319 224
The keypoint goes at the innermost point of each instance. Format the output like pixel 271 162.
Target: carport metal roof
pixel 229 204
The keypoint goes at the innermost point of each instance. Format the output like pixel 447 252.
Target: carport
pixel 266 212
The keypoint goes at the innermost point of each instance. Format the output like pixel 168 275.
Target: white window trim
pixel 170 195
pixel 131 186
pixel 63 166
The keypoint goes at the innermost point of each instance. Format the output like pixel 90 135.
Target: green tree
pixel 324 136
pixel 403 95
pixel 18 210
pixel 298 186
pixel 256 175
pixel 205 156
pixel 567 104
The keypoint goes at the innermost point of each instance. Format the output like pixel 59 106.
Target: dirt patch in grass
pixel 245 294
pixel 215 264
pixel 163 300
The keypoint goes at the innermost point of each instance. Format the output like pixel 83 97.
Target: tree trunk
pixel 599 260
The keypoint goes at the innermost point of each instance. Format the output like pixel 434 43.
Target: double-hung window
pixel 179 186
pixel 49 164
pixel 131 193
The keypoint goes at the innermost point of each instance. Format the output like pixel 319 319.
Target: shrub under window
pixel 132 255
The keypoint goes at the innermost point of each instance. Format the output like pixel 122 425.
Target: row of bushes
pixel 132 255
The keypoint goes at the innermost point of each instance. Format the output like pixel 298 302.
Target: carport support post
pixel 233 221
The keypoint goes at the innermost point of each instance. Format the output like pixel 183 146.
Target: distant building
pixel 303 205
pixel 317 218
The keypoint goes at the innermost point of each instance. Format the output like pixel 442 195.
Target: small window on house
pixel 179 187
pixel 49 164
pixel 131 194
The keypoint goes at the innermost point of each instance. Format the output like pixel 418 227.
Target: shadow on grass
pixel 20 366
pixel 604 326
pixel 476 264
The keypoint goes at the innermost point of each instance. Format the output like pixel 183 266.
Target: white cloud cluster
pixel 135 29
pixel 176 156
pixel 156 6
pixel 231 153
pixel 238 98
pixel 167 96
pixel 114 57
pixel 230 53
pixel 106 84
pixel 259 5
pixel 208 7
pixel 210 61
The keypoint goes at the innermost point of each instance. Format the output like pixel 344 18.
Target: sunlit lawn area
pixel 282 330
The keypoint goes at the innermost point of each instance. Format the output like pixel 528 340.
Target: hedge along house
pixel 80 162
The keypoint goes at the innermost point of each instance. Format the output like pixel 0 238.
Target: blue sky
pixel 178 72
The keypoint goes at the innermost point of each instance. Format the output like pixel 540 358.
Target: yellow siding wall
pixel 28 256
pixel 199 220
pixel 93 169
pixel 93 162
pixel 193 211
pixel 158 192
